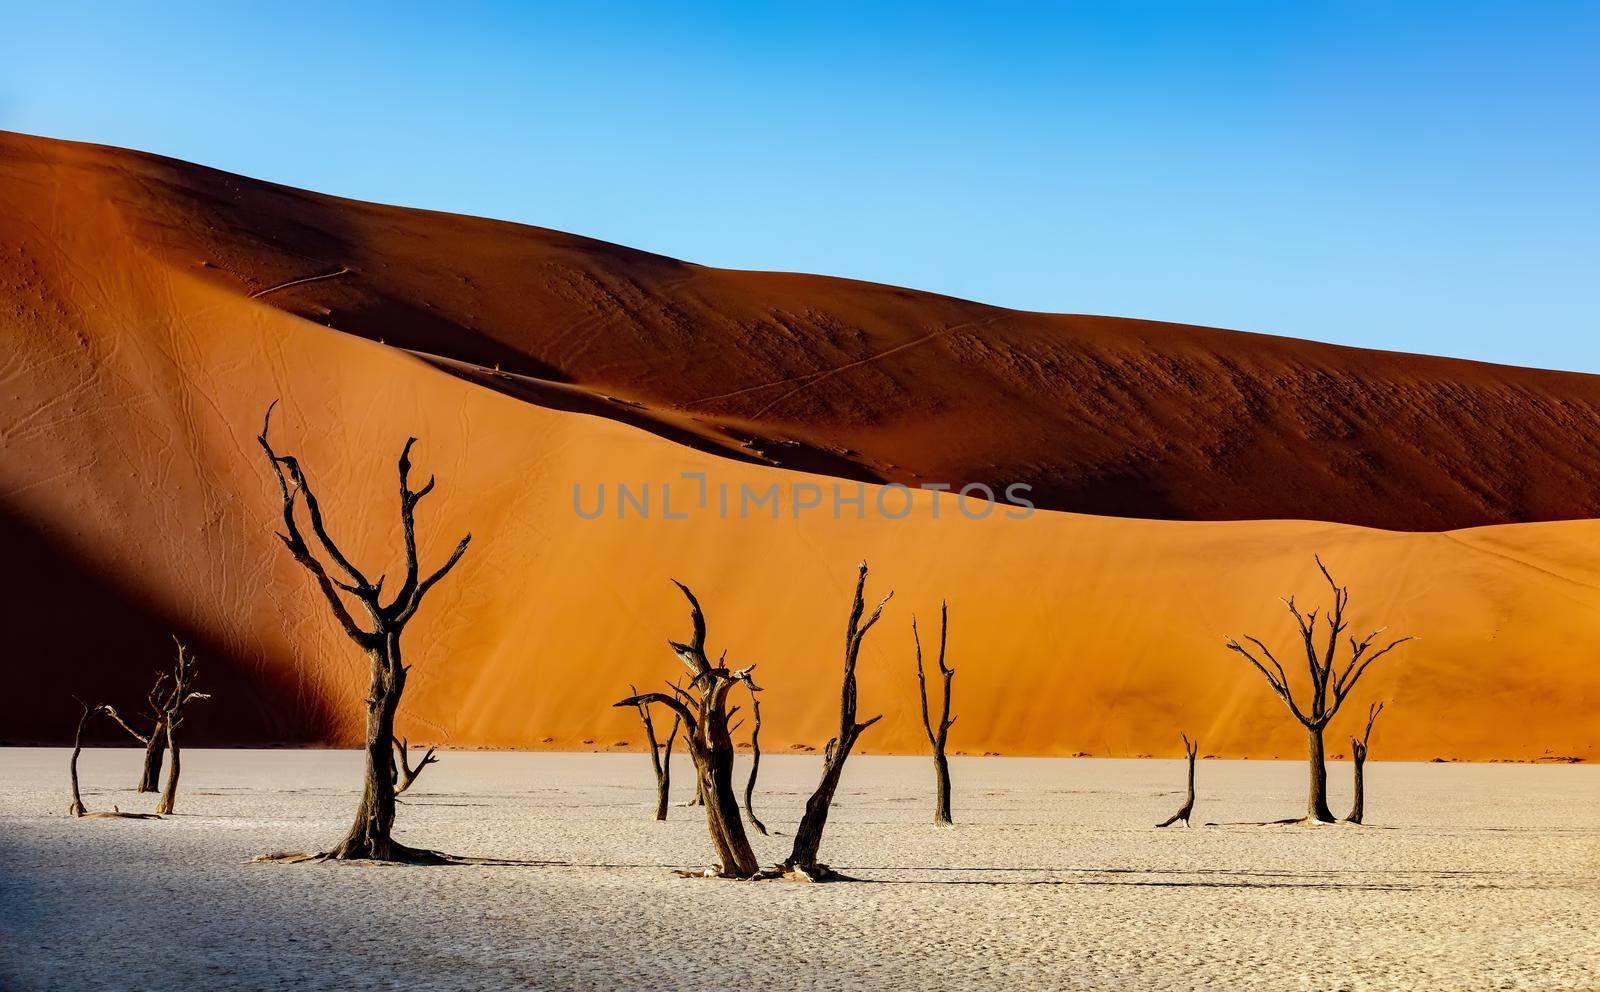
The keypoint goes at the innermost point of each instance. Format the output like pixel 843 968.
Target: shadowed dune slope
pixel 1100 415
pixel 134 379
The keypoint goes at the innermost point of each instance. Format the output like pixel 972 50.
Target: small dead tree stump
pixel 1330 683
pixel 1191 748
pixel 937 738
pixel 1358 754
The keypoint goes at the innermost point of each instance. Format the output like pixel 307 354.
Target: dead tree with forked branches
pixel 369 837
pixel 157 701
pixel 404 772
pixel 1190 748
pixel 183 675
pixel 702 708
pixel 937 738
pixel 76 808
pixel 808 837
pixel 1358 754
pixel 660 753
pixel 1330 684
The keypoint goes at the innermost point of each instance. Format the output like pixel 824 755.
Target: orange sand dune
pixel 134 380
pixel 1100 415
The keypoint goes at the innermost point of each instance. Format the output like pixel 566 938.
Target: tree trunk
pixel 369 835
pixel 76 808
pixel 1190 749
pixel 1359 754
pixel 150 777
pixel 663 782
pixel 941 770
pixel 734 854
pixel 1317 798
pixel 808 837
pixel 169 795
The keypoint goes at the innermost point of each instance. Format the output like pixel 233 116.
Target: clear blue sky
pixel 1421 177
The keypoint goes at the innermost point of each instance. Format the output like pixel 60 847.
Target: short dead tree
pixel 1330 682
pixel 1191 748
pixel 937 737
pixel 1358 754
pixel 76 808
pixel 808 837
pixel 369 837
pixel 155 739
pixel 182 694
pixel 660 753
pixel 755 761
pixel 404 772
pixel 702 708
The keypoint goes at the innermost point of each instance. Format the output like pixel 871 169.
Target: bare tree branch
pixel 1329 683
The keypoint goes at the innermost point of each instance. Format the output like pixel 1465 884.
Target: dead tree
pixel 1191 748
pixel 76 808
pixel 183 674
pixel 660 754
pixel 755 763
pixel 702 708
pixel 404 773
pixel 1330 683
pixel 937 738
pixel 154 740
pixel 369 836
pixel 808 837
pixel 1358 754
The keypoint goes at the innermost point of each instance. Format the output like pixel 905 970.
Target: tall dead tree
pixel 404 772
pixel 660 753
pixel 183 674
pixel 702 707
pixel 1330 683
pixel 937 738
pixel 369 836
pixel 755 763
pixel 1190 748
pixel 808 837
pixel 1358 754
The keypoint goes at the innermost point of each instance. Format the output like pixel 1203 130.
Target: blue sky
pixel 1420 177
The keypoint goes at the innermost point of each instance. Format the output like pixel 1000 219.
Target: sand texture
pixel 1466 877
